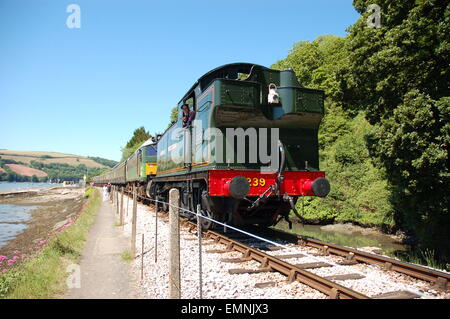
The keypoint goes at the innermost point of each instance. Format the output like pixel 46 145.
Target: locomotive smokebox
pixel 320 187
pixel 238 187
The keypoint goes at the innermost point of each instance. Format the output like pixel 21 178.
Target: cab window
pixel 150 151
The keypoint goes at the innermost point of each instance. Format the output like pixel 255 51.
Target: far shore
pixel 33 190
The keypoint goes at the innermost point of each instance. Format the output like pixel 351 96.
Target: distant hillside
pixel 25 166
pixel 104 161
pixel 26 171
pixel 52 157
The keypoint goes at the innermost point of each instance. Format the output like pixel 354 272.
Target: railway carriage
pixel 141 166
pixel 137 170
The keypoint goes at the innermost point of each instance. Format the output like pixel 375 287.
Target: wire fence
pixel 199 216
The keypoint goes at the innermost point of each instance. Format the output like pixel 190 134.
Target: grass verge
pixel 44 275
pixel 126 256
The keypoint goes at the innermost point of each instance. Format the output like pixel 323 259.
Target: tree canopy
pixel 140 135
pixel 384 138
pixel 399 76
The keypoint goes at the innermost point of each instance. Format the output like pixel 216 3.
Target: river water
pixel 348 235
pixel 8 187
pixel 13 217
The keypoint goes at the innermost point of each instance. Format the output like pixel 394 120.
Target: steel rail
pixel 293 273
pixel 438 278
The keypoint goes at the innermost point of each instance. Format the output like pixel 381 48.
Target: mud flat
pixel 54 207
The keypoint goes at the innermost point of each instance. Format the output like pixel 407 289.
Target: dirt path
pixel 104 274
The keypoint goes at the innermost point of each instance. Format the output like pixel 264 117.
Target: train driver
pixel 188 115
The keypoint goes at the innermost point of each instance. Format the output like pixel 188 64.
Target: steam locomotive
pixel 249 154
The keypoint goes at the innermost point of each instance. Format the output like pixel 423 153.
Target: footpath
pixel 104 274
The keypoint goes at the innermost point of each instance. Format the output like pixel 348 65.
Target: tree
pixel 359 191
pixel 399 75
pixel 140 135
pixel 173 115
pixel 103 161
pixel 316 63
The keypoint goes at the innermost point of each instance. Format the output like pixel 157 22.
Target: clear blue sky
pixel 83 91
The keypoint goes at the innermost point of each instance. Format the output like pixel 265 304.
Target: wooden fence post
pixel 128 201
pixel 142 257
pixel 174 251
pixel 199 234
pixel 117 202
pixel 156 232
pixel 121 208
pixel 133 224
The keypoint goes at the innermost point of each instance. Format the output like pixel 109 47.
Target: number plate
pixel 256 182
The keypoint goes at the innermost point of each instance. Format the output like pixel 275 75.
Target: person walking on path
pixel 105 193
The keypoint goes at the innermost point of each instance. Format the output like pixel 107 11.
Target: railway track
pixel 272 263
pixel 301 272
pixel 331 256
pixel 438 279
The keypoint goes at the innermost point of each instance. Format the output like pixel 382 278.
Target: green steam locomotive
pixel 248 151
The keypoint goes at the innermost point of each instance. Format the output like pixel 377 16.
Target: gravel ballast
pixel 219 284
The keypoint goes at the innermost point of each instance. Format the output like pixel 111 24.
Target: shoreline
pixel 28 190
pixel 54 207
pixel 43 273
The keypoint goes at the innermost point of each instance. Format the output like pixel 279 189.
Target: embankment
pixel 42 272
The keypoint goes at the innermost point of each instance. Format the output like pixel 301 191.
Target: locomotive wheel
pixel 164 206
pixel 205 223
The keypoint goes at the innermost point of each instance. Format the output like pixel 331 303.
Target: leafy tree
pixel 64 171
pixel 359 191
pixel 103 161
pixel 399 75
pixel 316 63
pixel 140 135
pixel 173 115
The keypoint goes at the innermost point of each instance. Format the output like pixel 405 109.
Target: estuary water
pixel 348 235
pixel 8 187
pixel 12 218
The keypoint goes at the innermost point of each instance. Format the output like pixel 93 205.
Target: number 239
pixel 256 181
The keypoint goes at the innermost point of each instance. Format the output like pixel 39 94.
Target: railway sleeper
pixel 219 251
pixel 273 248
pixel 236 260
pixel 441 283
pixel 313 265
pixel 209 243
pixel 347 262
pixel 400 294
pixel 289 256
pixel 266 284
pixel 249 271
pixel 334 277
pixel 344 277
